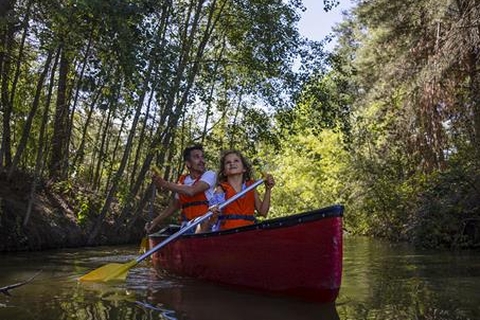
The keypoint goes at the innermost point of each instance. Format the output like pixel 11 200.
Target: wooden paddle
pixel 118 271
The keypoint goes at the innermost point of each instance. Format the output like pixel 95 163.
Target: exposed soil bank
pixel 52 222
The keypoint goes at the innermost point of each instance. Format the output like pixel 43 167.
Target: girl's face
pixel 233 165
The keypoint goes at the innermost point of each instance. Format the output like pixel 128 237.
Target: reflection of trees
pixel 59 299
pixel 97 301
pixel 389 281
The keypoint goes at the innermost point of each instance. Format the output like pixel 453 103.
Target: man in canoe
pixel 192 191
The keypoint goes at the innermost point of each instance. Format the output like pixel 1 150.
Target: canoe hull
pixel 298 256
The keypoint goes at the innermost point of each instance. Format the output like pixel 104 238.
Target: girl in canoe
pixel 234 175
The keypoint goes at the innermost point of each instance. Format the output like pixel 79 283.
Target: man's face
pixel 196 162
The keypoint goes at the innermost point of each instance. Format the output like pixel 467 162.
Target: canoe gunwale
pixel 308 216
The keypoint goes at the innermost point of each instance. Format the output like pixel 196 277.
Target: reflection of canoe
pixel 190 299
pixel 298 256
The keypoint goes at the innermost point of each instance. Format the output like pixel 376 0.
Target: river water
pixel 380 281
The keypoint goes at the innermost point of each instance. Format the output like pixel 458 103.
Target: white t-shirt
pixel 209 177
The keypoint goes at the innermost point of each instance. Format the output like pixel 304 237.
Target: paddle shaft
pixel 197 221
pixel 152 199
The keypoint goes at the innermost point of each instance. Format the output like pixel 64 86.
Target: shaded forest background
pixel 93 93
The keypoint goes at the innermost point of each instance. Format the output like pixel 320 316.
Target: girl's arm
pixel 263 206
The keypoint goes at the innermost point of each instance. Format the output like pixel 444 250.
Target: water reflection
pixel 191 299
pixel 380 281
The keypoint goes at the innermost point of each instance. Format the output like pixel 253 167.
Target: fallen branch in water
pixel 5 289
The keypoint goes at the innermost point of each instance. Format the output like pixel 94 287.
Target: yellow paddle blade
pixel 108 272
pixel 144 245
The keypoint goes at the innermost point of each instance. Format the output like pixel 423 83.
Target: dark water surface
pixel 380 281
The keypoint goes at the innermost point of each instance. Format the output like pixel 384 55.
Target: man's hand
pixel 149 226
pixel 159 181
pixel 157 178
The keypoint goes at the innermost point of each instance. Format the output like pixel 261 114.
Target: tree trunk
pixel 141 137
pixel 20 55
pixel 114 152
pixel 475 99
pixel 77 91
pixel 39 160
pixel 28 123
pixel 208 112
pixel 101 137
pixel 234 124
pixel 7 32
pixel 80 153
pixel 58 160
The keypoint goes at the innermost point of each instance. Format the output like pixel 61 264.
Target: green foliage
pixel 448 203
pixel 63 187
pixel 409 175
pixel 309 173
pixel 77 199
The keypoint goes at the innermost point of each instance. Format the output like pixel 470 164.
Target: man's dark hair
pixel 187 152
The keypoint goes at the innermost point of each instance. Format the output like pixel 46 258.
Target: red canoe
pixel 298 256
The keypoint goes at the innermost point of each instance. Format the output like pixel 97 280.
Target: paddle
pixel 118 271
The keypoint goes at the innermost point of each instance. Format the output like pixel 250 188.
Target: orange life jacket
pixel 240 212
pixel 192 207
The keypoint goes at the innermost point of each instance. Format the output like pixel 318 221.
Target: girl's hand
pixel 216 212
pixel 214 218
pixel 269 181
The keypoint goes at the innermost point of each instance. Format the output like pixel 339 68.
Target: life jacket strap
pixel 237 217
pixel 194 203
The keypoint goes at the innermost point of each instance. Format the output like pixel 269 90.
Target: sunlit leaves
pixel 309 172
